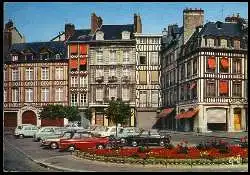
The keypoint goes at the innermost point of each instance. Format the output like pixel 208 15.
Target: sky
pixel 41 21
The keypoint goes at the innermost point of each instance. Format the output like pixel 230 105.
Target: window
pixel 125 72
pixel 236 44
pixel 187 91
pixel 29 57
pixel 99 57
pixel 112 92
pixel 59 94
pixel 210 89
pixel 83 81
pixel 83 99
pixel 29 95
pixel 142 60
pixel 193 88
pixel 125 94
pixel 223 85
pixel 45 94
pixel 5 95
pixel 74 81
pixel 15 75
pixel 154 58
pixel 182 72
pixel 112 55
pixel 223 43
pixel 154 77
pixel 15 58
pixel 59 73
pixel 189 69
pixel 99 94
pixel 99 35
pixel 29 73
pixel 154 97
pixel 224 64
pixel 236 65
pixel 142 77
pixel 195 66
pixel 230 43
pixel 57 56
pixel 112 72
pixel 217 42
pixel 125 35
pixel 44 56
pixel 15 95
pixel 73 49
pixel 125 56
pixel 99 72
pixel 74 99
pixel 143 99
pixel 211 64
pixel 210 42
pixel 45 73
pixel 237 88
pixel 182 92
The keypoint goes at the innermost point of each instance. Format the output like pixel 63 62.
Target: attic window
pixel 57 56
pixel 44 56
pixel 99 35
pixel 125 35
pixel 15 58
pixel 219 25
pixel 29 57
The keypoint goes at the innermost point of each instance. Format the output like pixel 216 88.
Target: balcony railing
pixel 112 79
pixel 99 79
pixel 126 78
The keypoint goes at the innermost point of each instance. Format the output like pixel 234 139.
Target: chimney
pixel 69 30
pixel 9 25
pixel 96 22
pixel 192 18
pixel 137 24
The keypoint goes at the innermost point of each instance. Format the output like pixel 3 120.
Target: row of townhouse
pixel 190 78
pixel 85 68
pixel 204 74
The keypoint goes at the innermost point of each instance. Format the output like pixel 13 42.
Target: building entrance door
pixel 237 119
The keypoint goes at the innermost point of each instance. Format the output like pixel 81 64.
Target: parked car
pixel 49 132
pixel 111 130
pixel 126 132
pixel 83 141
pixel 53 143
pixel 148 137
pixel 25 130
pixel 74 127
pixel 96 130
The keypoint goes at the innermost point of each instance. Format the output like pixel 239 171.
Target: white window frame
pixel 154 58
pixel 99 57
pixel 59 91
pixel 83 81
pixel 99 94
pixel 45 94
pixel 125 94
pixel 112 72
pixel 99 35
pixel 29 73
pixel 126 35
pixel 83 99
pixel 154 98
pixel 29 95
pixel 59 73
pixel 15 74
pixel 112 56
pixel 74 81
pixel 112 92
pixel 44 73
pixel 99 72
pixel 125 72
pixel 15 95
pixel 143 103
pixel 14 57
pixel 126 56
pixel 74 99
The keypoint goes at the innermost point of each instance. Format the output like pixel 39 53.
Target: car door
pixel 33 130
pixel 27 131
pixel 46 132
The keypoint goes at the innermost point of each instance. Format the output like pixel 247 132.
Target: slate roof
pixel 57 47
pixel 81 35
pixel 226 29
pixel 114 32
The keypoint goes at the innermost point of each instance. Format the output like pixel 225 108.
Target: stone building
pixel 35 74
pixel 148 93
pixel 211 76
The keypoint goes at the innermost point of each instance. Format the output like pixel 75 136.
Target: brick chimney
pixel 69 30
pixel 137 24
pixel 192 18
pixel 96 22
pixel 9 25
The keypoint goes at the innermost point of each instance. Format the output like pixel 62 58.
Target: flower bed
pixel 193 156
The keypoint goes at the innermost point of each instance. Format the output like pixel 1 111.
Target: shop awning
pixel 165 112
pixel 188 114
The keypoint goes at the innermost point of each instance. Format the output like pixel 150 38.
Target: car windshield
pixel 19 127
pixel 66 135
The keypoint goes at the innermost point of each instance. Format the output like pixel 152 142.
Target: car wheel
pixel 21 136
pixel 134 143
pixel 71 148
pixel 162 143
pixel 53 145
pixel 100 147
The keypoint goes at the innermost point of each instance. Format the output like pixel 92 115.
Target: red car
pixel 83 141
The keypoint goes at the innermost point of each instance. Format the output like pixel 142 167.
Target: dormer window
pixel 44 56
pixel 57 56
pixel 125 35
pixel 29 57
pixel 14 57
pixel 99 35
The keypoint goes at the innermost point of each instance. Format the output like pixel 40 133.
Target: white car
pixel 111 130
pixel 74 127
pixel 25 130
